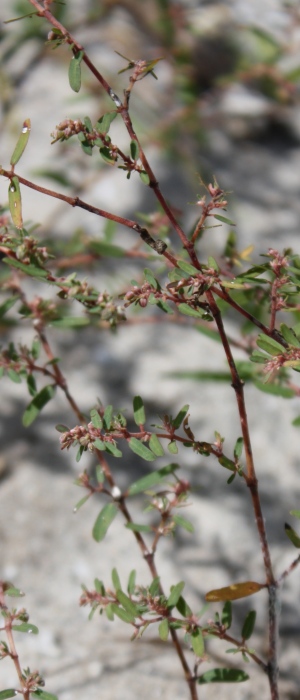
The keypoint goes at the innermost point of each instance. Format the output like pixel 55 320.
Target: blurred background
pixel 225 104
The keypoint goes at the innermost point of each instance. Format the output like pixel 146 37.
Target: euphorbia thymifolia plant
pixel 187 289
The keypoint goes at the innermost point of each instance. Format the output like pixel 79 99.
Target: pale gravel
pixel 47 550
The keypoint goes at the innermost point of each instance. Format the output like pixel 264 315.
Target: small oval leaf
pixel 21 143
pixel 156 446
pixel 163 630
pixel 175 594
pixel 38 402
pixel 141 450
pixel 15 202
pixel 248 625
pixel 292 535
pixel 26 627
pixel 197 642
pixel 104 520
pixel 75 71
pixel 139 411
pixel 146 482
pixel 9 693
pixel 43 695
pixel 223 675
pixel 235 591
pixel 269 345
pixel 127 603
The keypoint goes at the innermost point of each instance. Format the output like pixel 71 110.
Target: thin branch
pixel 252 484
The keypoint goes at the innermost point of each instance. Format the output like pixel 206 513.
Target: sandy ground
pixel 48 551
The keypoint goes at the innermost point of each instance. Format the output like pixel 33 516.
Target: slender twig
pixel 59 377
pixel 252 484
pixel 11 643
pixel 148 555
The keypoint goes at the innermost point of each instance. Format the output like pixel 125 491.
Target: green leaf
pixel 30 270
pixel 141 450
pixel 182 522
pixel 275 389
pixel 81 503
pixel 14 592
pixel 223 675
pixel 31 384
pixel 212 263
pixel 99 474
pixel 14 376
pixel 259 357
pixel 203 376
pixel 109 612
pixel 227 463
pixel 296 513
pixel 43 695
pixel 75 71
pixel 96 419
pixel 180 417
pixel 21 143
pixel 187 267
pixel 238 448
pixel 154 588
pixel 26 627
pixel 71 322
pixel 139 411
pixel 146 482
pixel 227 614
pixel 289 335
pixel 156 446
pixel 269 345
pixel 163 630
pixel 150 278
pixel 15 202
pixel 183 607
pixel 106 249
pixel 116 580
pixel 38 402
pixel 175 594
pixel 131 582
pixel 224 219
pixel 99 444
pixel 103 124
pixel 7 305
pixel 62 428
pixel 134 150
pixel 99 586
pixel 127 603
pixel 266 47
pixel 79 453
pixel 135 527
pixel 164 306
pixel 122 614
pixel 107 417
pixel 104 520
pixel 144 177
pixel 188 311
pixel 106 155
pixel 172 447
pixel 9 693
pixel 112 449
pixel 197 642
pixel 248 625
pixel 88 124
pixel 292 535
